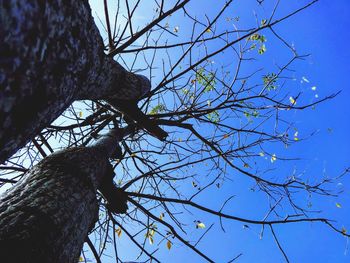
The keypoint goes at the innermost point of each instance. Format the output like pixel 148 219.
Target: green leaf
pixel 207 80
pixel 214 116
pixel 254 37
pixel 257 37
pixel 262 39
pixel 262 49
pixel 270 81
pixel 157 109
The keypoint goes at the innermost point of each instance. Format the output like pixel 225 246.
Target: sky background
pixel 322 31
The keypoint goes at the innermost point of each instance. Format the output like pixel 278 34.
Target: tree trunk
pixel 51 54
pixel 47 215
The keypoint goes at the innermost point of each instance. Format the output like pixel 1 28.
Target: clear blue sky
pixel 322 31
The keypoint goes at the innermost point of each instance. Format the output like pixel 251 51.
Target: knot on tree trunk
pixel 116 197
pixel 117 201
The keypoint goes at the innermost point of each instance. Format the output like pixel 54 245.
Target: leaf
pixel 343 231
pixel 176 29
pixel 270 81
pixel 168 244
pixel 118 231
pixel 207 80
pixel 214 116
pixel 262 49
pixel 313 88
pixel 254 37
pixel 226 136
pixel 200 225
pixel 263 22
pixel 296 136
pixel 255 113
pixel 261 154
pixel 150 239
pixel 305 79
pixel 338 205
pixel 262 39
pixel 157 109
pixel 246 165
pixel 81 259
pixel 194 184
pixel 292 100
pixel 273 158
pixel 161 216
pixel 133 155
pixel 80 114
pixel 208 30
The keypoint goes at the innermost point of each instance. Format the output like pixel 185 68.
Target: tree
pixel 62 61
pixel 220 119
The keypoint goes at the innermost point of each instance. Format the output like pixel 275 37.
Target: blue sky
pixel 320 31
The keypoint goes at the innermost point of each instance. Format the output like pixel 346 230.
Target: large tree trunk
pixel 51 54
pixel 47 215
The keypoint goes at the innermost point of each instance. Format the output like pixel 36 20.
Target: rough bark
pixel 47 215
pixel 51 54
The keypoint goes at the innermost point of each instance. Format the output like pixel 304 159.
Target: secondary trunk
pixel 51 54
pixel 47 215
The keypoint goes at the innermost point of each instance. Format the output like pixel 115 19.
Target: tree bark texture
pixel 47 215
pixel 51 54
